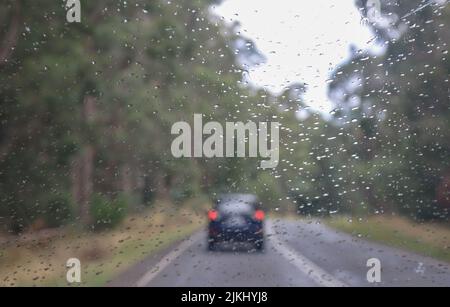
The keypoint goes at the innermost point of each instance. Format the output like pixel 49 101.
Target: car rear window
pixel 235 207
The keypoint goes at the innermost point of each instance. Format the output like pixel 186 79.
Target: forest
pixel 86 111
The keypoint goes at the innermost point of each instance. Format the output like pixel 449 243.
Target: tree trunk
pixel 83 168
pixel 443 192
pixel 9 42
pixel 162 186
pixel 127 180
pixel 82 182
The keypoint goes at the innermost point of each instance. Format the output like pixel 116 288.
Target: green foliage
pixel 59 211
pixel 106 213
pixel 150 64
pixel 398 136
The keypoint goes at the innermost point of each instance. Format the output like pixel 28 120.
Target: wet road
pixel 297 253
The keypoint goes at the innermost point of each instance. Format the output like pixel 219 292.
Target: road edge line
pixel 306 266
pixel 168 259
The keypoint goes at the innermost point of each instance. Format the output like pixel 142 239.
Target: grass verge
pixel 103 255
pixel 428 239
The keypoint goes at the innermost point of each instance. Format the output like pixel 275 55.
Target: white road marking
pixel 167 260
pixel 306 266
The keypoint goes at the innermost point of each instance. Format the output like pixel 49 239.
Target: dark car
pixel 236 218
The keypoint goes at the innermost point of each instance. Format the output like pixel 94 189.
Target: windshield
pixel 129 129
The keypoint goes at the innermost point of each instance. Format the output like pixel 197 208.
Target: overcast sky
pixel 303 41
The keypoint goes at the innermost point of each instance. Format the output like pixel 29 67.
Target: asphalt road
pixel 297 253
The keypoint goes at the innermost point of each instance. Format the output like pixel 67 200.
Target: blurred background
pixel 86 111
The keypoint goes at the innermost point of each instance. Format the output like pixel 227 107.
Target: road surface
pixel 297 254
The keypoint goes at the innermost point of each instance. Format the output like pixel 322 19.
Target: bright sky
pixel 303 41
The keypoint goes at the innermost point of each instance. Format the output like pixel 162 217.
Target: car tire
pixel 211 246
pixel 259 245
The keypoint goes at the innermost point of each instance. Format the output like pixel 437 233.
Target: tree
pixel 394 108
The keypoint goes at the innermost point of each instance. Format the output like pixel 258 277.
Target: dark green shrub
pixel 59 211
pixel 107 214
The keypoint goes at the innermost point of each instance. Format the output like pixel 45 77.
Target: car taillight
pixel 212 215
pixel 259 215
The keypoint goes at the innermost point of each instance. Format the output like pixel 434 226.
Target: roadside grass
pixel 103 255
pixel 428 239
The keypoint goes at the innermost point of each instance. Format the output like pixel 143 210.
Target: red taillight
pixel 259 215
pixel 212 215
